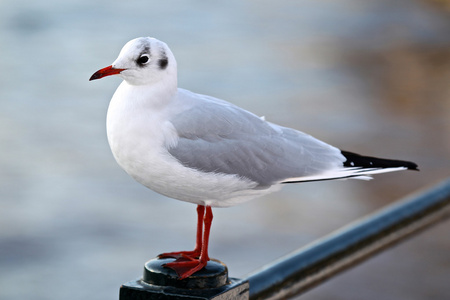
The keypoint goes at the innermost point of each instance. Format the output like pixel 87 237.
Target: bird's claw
pixel 185 255
pixel 186 266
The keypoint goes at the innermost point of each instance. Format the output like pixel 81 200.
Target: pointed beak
pixel 105 72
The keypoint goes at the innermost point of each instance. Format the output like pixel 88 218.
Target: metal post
pixel 309 266
pixel 160 283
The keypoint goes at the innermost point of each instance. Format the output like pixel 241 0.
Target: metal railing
pixel 309 266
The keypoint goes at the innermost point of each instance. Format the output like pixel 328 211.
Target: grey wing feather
pixel 223 138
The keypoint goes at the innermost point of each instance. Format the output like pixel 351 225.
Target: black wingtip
pixel 356 160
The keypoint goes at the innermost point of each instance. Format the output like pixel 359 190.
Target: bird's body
pixel 207 151
pixel 165 151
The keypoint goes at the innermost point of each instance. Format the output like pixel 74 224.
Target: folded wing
pixel 215 136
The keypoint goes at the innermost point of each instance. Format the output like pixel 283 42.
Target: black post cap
pixel 210 283
pixel 214 275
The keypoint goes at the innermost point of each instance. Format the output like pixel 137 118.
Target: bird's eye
pixel 142 60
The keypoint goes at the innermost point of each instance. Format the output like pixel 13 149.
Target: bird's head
pixel 142 61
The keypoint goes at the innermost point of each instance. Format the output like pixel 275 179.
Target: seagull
pixel 207 151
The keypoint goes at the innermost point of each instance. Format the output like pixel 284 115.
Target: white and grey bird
pixel 207 151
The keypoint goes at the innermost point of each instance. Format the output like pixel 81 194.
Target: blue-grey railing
pixel 309 266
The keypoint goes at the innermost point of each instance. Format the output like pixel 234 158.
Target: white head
pixel 142 61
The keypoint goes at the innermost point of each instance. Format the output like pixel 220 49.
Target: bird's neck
pixel 155 96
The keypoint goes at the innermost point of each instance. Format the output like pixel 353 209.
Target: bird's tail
pixel 359 167
pixel 368 162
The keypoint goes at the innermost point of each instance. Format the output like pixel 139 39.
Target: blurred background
pixel 366 76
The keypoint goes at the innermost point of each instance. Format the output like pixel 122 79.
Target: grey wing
pixel 220 138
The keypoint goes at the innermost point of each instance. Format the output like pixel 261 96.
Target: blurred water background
pixel 366 76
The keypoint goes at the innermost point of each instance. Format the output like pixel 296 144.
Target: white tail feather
pixel 345 173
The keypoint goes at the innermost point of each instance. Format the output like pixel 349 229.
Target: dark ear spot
pixel 163 62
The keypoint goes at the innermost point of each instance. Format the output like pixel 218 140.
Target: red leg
pixel 208 221
pixel 189 255
pixel 186 268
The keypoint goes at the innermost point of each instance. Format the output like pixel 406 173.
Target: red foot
pixel 189 255
pixel 185 267
pixel 188 262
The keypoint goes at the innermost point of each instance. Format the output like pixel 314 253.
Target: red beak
pixel 105 72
